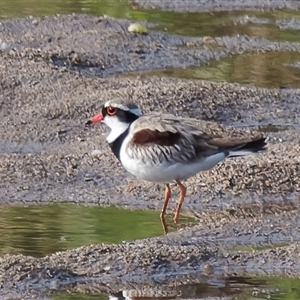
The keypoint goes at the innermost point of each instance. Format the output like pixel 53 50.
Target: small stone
pixel 3 46
pixel 80 139
pixel 88 177
pixel 137 28
pixel 107 268
pixel 97 153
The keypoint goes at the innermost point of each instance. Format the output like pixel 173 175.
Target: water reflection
pixel 270 70
pixel 273 25
pixel 239 288
pixel 263 69
pixel 43 229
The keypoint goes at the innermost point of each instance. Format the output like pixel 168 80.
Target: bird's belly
pixel 169 171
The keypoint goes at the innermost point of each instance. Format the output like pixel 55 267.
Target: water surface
pixel 278 25
pixel 269 69
pixel 264 70
pixel 240 288
pixel 38 230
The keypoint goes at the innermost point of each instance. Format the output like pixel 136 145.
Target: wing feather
pixel 168 138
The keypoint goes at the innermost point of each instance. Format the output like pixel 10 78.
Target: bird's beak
pixel 95 119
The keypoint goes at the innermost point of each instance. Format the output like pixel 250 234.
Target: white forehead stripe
pixel 118 105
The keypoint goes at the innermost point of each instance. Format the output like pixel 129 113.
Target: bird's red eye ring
pixel 111 110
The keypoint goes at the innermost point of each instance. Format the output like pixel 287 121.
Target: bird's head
pixel 117 116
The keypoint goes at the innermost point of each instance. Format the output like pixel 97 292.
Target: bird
pixel 163 148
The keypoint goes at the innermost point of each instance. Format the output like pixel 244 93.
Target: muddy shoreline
pixel 55 72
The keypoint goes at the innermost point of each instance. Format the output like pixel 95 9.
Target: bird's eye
pixel 111 110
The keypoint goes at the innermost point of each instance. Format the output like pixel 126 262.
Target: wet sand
pixel 55 73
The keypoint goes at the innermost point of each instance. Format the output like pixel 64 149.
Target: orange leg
pixel 181 199
pixel 163 212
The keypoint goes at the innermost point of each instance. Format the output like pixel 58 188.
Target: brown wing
pixel 166 137
pixel 148 136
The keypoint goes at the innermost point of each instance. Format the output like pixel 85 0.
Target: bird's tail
pixel 254 146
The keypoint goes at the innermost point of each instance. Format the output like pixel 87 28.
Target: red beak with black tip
pixel 95 119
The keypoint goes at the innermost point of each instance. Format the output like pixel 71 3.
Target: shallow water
pixel 38 230
pixel 274 25
pixel 240 288
pixel 43 229
pixel 279 70
pixel 265 70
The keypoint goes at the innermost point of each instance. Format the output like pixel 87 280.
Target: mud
pixel 55 72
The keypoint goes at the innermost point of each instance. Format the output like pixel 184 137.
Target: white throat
pixel 116 128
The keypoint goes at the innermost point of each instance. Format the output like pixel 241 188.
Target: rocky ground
pixel 55 73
